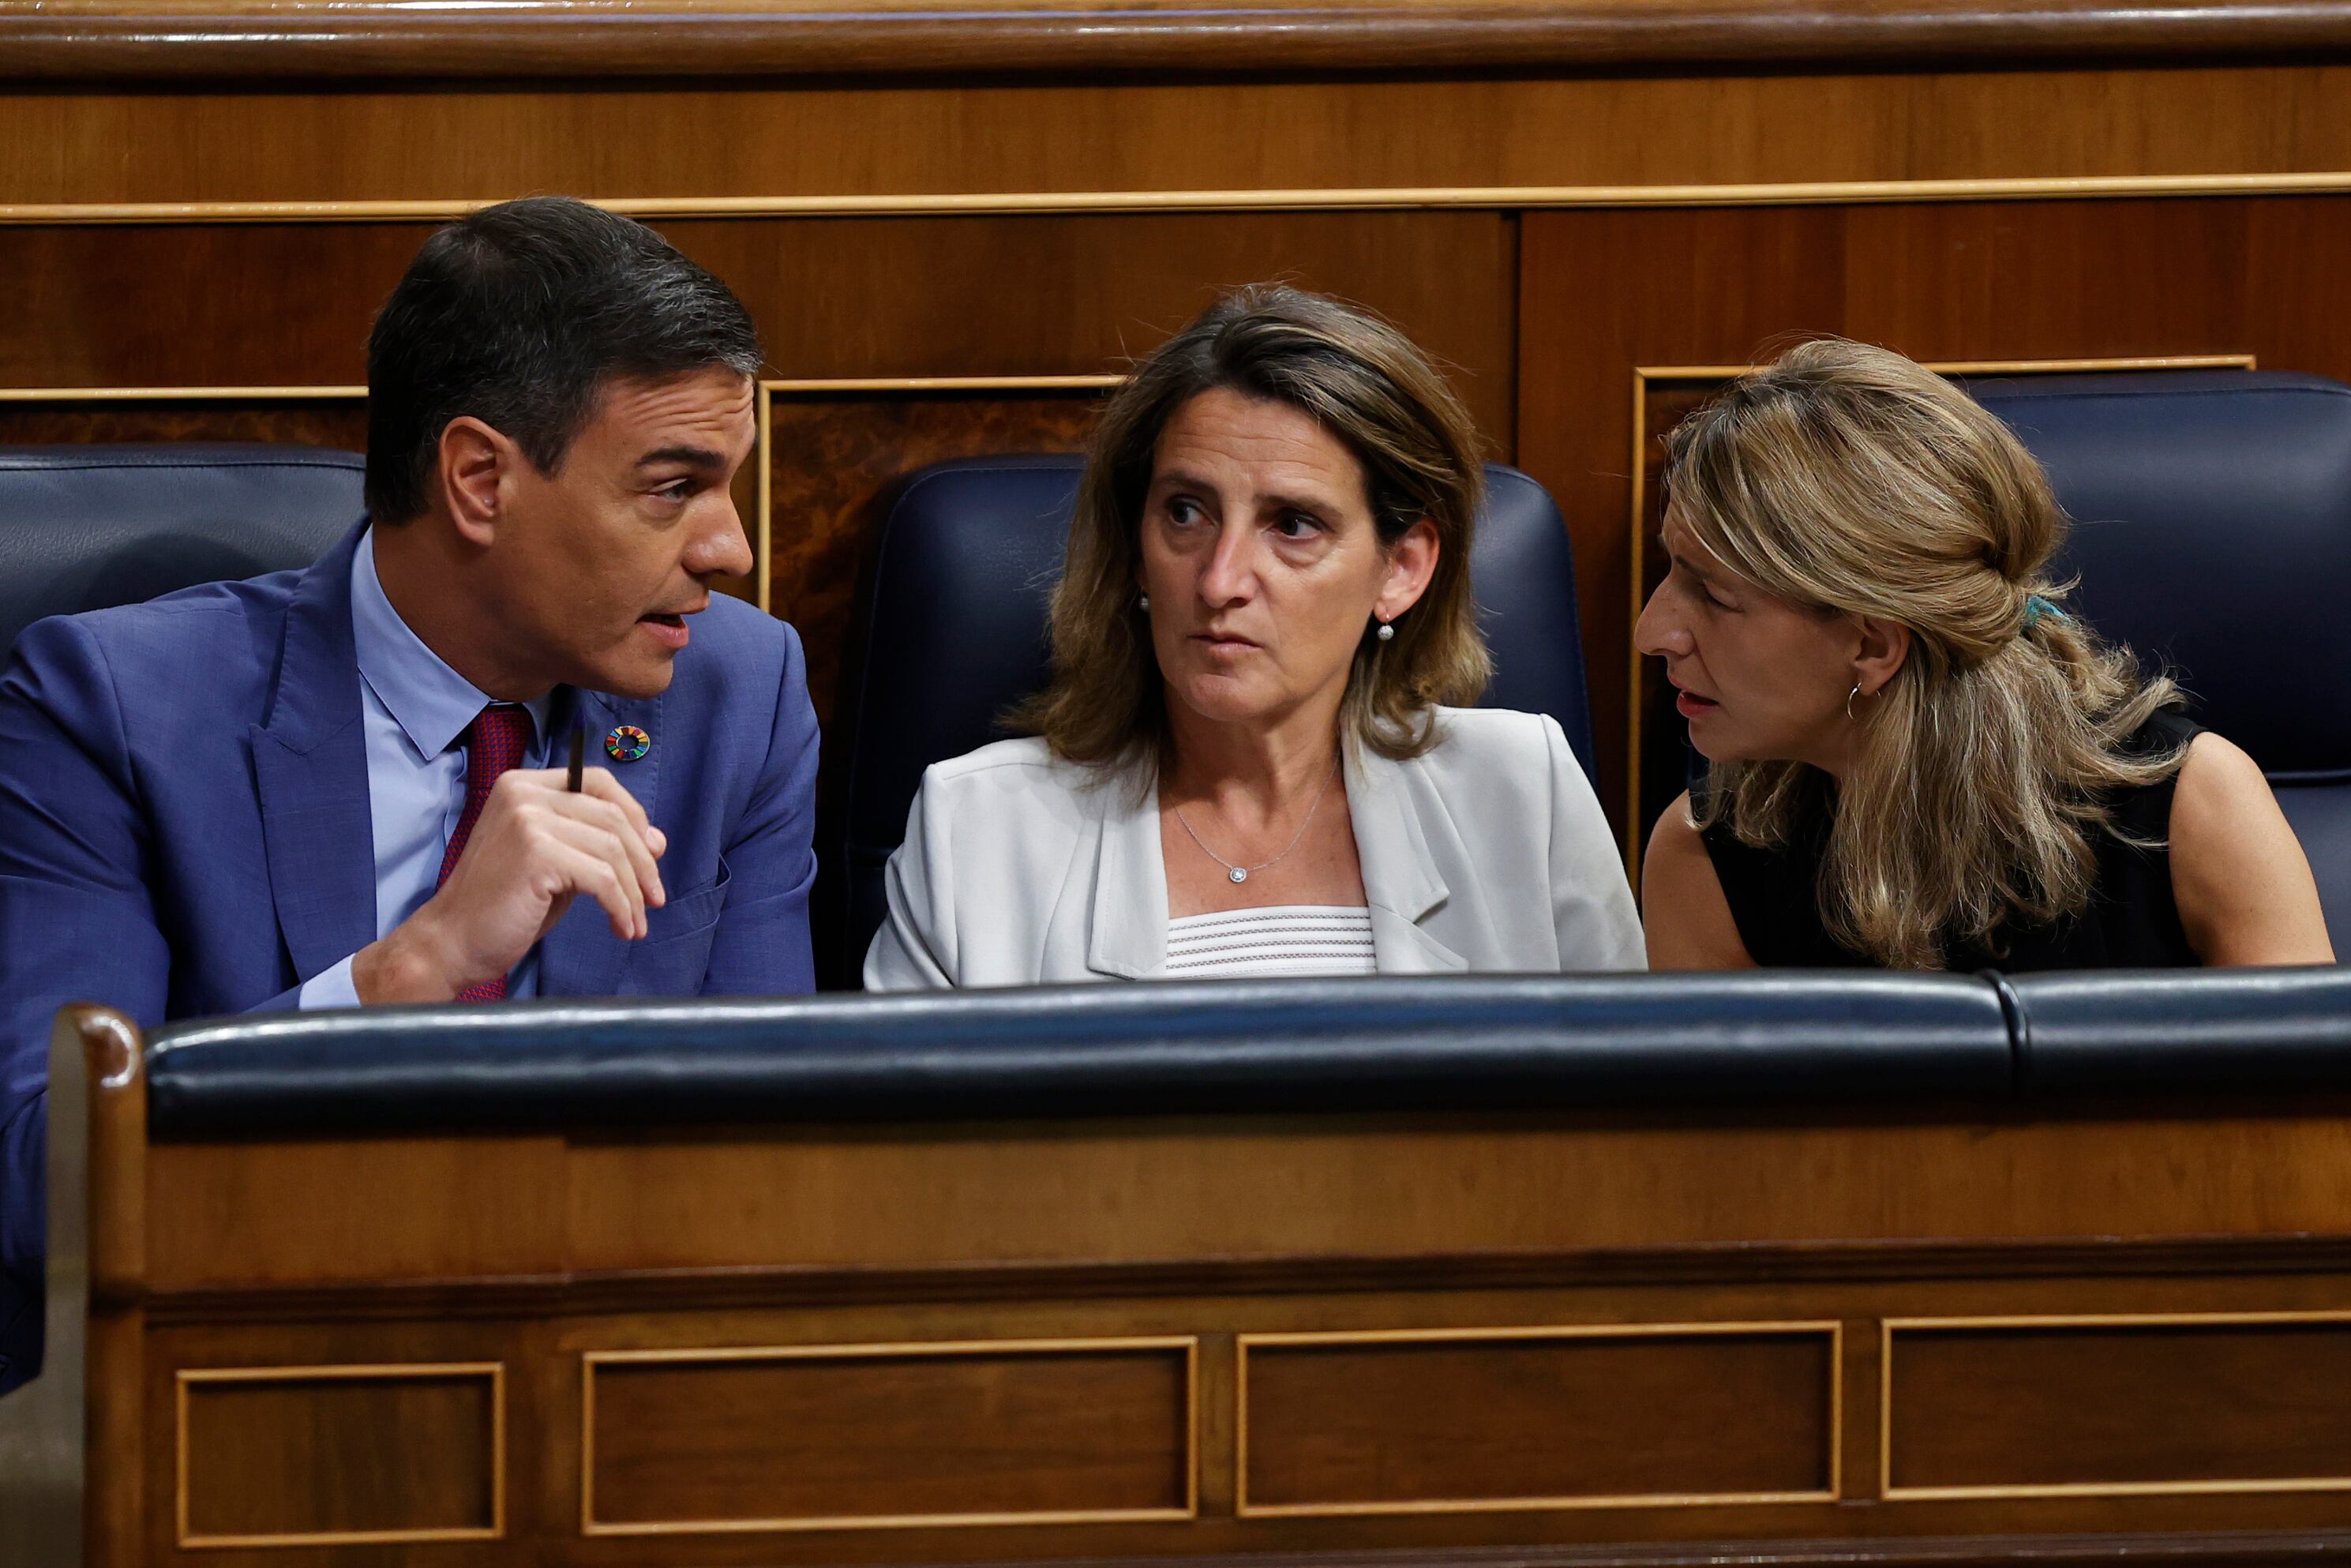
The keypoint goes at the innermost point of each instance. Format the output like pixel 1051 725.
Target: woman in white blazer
pixel 1247 762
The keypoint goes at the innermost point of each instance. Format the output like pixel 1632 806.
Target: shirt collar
pixel 432 703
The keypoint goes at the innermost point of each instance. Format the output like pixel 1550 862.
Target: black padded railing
pixel 1785 1038
pixel 1404 1043
pixel 2183 1031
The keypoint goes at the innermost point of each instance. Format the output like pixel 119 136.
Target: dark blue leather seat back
pixel 951 632
pixel 1411 1043
pixel 2214 534
pixel 84 527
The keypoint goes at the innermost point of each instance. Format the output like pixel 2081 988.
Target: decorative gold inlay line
pixel 1643 375
pixel 1889 1327
pixel 1305 199
pixel 493 1370
pixel 920 386
pixel 1832 1329
pixel 592 1359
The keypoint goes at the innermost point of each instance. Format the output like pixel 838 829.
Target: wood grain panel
pixel 1606 293
pixel 1440 1422
pixel 228 1216
pixel 83 40
pixel 1598 133
pixel 388 1208
pixel 1084 294
pixel 1126 1193
pixel 842 1435
pixel 318 1456
pixel 290 304
pixel 304 422
pixel 267 305
pixel 833 458
pixel 2040 1408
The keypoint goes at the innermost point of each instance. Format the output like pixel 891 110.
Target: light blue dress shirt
pixel 414 709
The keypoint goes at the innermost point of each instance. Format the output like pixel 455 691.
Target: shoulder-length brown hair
pixel 1846 479
pixel 1371 388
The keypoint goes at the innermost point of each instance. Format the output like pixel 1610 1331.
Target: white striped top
pixel 1289 939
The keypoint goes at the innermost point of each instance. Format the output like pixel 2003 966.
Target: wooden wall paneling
pixel 728 1442
pixel 795 1437
pixel 906 147
pixel 393 1209
pixel 79 40
pixel 324 416
pixel 1607 293
pixel 833 457
pixel 2120 1405
pixel 834 299
pixel 1130 1194
pixel 119 1419
pixel 1439 1421
pixel 1084 294
pixel 341 1455
pixel 196 304
pixel 274 1437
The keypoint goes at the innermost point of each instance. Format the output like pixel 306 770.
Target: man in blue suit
pixel 344 786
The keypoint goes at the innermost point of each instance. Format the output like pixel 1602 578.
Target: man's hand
pixel 535 847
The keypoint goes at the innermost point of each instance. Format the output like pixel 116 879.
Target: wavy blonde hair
pixel 1846 479
pixel 1367 384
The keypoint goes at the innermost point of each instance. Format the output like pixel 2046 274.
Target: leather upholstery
pixel 951 632
pixel 2183 1031
pixel 1398 1043
pixel 1801 1039
pixel 84 527
pixel 2213 535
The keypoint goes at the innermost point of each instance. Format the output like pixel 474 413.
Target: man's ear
pixel 1412 561
pixel 476 461
pixel 1883 645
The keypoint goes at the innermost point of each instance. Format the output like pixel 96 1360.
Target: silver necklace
pixel 1241 873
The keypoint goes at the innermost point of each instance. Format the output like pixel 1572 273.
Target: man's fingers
pixel 600 782
pixel 595 783
pixel 629 834
pixel 595 859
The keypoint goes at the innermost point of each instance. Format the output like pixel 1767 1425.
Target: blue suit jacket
pixel 184 832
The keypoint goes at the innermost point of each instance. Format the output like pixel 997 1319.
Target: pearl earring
pixel 1144 602
pixel 1387 633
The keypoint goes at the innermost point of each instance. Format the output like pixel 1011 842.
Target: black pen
pixel 579 748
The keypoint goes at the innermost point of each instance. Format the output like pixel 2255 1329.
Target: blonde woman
pixel 1246 763
pixel 1919 757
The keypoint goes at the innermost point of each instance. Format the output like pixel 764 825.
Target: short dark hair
pixel 517 316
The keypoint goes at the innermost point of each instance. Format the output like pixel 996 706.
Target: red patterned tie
pixel 495 742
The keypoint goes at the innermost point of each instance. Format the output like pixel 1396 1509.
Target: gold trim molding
pixel 1889 1327
pixel 1407 198
pixel 1189 1345
pixel 1645 375
pixel 494 1371
pixel 1830 1329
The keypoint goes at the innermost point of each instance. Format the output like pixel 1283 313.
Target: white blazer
pixel 1489 851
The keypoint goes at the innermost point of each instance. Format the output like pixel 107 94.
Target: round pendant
pixel 1238 874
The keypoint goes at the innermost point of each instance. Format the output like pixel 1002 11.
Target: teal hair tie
pixel 2035 607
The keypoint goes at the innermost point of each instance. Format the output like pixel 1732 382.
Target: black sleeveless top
pixel 2131 921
